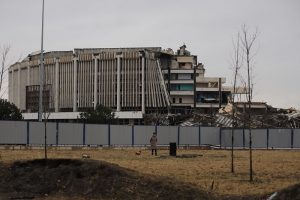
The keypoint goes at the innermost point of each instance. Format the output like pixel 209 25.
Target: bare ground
pixel 273 170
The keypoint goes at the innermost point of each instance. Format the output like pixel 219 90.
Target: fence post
pixel 132 133
pixel 292 138
pixel 268 138
pixel 178 135
pixel 57 132
pixel 28 134
pixel 220 136
pixel 199 131
pixel 244 138
pixel 83 134
pixel 108 134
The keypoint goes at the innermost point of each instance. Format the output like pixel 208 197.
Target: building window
pixel 185 76
pixel 182 87
pixel 180 100
pixel 174 100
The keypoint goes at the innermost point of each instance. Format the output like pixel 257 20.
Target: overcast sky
pixel 206 27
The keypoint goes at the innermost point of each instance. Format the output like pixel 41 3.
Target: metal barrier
pixel 74 134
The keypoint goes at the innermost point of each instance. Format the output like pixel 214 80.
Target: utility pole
pixel 40 117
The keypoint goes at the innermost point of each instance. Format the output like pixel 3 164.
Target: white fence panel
pixel 121 135
pixel 96 134
pixel 167 134
pixel 237 136
pixel 13 132
pixel 259 138
pixel 142 134
pixel 189 135
pixel 210 135
pixel 70 134
pixel 296 138
pixel 37 133
pixel 280 138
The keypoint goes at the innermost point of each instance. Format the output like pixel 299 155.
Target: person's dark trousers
pixel 154 150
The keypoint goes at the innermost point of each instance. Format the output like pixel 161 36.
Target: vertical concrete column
pixel 56 84
pixel 118 81
pixel 220 92
pixel 9 85
pixel 75 60
pixel 95 81
pixel 143 84
pixel 12 89
pixel 28 73
pixel 19 86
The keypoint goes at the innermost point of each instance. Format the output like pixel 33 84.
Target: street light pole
pixel 41 70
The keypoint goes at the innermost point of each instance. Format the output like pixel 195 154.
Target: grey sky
pixel 206 27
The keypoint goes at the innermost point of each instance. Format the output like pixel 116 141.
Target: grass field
pixel 273 169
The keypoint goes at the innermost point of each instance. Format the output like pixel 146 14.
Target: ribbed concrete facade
pixel 125 79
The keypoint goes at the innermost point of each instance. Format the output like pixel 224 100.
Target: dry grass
pixel 273 169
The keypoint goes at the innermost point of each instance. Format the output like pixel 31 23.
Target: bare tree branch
pixel 4 51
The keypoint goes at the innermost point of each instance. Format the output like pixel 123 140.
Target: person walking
pixel 153 142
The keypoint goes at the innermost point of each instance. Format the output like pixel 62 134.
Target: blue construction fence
pixel 74 134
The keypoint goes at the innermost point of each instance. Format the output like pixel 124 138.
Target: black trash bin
pixel 173 148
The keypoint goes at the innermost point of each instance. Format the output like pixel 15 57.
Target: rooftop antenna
pixel 41 78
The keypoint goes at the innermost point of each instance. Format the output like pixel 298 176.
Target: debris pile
pixel 270 118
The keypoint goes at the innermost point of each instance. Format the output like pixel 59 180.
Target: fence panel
pixel 296 138
pixel 189 135
pixel 167 134
pixel 96 134
pixel 37 133
pixel 259 138
pixel 142 134
pixel 237 135
pixel 13 132
pixel 210 135
pixel 70 134
pixel 121 135
pixel 280 138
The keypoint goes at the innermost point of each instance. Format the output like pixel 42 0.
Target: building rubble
pixel 270 118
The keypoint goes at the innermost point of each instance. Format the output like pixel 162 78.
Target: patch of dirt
pixel 189 155
pixel 88 179
pixel 292 192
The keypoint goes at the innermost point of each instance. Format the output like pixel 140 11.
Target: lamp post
pixel 41 74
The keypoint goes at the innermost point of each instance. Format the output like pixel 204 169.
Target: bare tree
pixel 48 93
pixel 4 51
pixel 247 40
pixel 237 62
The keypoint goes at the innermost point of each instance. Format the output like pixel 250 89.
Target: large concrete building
pixel 131 81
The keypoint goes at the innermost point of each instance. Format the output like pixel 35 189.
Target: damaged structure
pixel 132 81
